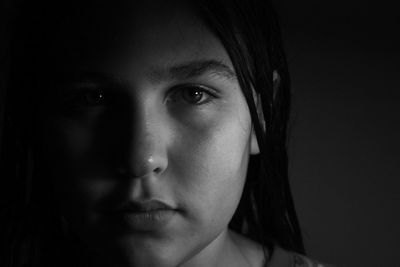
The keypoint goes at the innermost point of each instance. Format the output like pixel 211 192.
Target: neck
pixel 222 251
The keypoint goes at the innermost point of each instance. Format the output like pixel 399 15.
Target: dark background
pixel 344 59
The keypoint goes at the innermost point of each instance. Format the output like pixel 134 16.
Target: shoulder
pixel 283 258
pixel 255 255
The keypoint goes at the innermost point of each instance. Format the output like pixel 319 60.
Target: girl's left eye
pixel 192 94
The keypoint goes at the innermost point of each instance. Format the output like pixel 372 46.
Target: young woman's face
pixel 150 139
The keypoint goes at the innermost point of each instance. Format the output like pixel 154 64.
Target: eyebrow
pixel 194 69
pixel 183 71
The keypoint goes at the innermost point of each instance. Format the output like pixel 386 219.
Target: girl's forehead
pixel 140 34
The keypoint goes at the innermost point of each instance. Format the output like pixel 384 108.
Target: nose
pixel 144 146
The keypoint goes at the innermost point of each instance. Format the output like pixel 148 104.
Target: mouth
pixel 144 216
pixel 144 206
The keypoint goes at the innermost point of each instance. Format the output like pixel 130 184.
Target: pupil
pixel 93 97
pixel 195 96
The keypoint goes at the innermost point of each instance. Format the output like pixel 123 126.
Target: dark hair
pixel 250 33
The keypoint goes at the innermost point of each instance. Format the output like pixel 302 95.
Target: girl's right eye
pixel 86 98
pixel 93 97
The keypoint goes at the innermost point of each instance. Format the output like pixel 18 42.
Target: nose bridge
pixel 146 151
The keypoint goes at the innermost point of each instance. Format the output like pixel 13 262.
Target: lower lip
pixel 146 221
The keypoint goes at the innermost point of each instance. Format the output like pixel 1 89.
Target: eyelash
pixel 181 89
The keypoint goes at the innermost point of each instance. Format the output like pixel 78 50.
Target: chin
pixel 149 253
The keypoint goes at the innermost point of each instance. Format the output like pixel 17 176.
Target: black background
pixel 344 58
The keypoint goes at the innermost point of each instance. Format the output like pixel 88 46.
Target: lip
pixel 144 216
pixel 144 206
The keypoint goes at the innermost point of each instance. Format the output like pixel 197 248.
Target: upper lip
pixel 143 206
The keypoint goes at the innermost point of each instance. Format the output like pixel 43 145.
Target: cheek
pixel 210 168
pixel 74 139
pixel 68 152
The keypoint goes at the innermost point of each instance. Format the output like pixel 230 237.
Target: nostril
pixel 143 158
pixel 122 172
pixel 126 173
pixel 145 169
pixel 158 170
